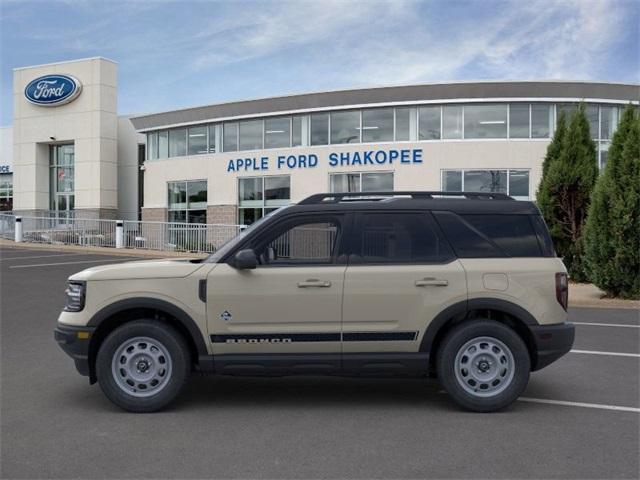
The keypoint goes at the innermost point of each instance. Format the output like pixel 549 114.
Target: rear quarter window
pixel 513 234
pixel 491 235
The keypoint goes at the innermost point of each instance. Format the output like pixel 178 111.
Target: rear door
pixel 401 274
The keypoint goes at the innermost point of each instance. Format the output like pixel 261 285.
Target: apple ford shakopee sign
pixel 53 90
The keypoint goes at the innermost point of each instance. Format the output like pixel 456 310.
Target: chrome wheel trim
pixel 484 367
pixel 141 366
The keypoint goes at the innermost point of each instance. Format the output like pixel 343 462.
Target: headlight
pixel 75 296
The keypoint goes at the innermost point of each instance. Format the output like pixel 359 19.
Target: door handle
pixel 313 283
pixel 432 282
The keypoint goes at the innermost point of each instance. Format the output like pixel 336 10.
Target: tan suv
pixel 464 286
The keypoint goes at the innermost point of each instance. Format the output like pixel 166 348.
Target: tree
pixel 612 233
pixel 565 191
pixel 555 147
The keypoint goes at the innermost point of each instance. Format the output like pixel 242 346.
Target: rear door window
pixel 398 237
pixel 467 241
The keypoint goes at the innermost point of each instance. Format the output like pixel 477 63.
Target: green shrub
pixel 612 233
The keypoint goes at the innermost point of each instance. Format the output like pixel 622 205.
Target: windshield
pixel 231 244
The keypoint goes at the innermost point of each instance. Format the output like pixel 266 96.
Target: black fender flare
pixel 154 304
pixel 459 311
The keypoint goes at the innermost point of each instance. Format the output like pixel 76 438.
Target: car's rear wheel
pixel 484 365
pixel 143 365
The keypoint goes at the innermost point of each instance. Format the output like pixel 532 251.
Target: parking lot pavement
pixel 54 425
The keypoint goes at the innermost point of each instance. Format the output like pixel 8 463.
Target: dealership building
pixel 70 152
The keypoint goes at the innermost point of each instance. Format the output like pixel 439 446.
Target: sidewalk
pixel 129 252
pixel 588 295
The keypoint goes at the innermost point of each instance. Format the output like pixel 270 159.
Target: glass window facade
pixel 212 139
pixel 197 140
pixel 345 127
pixel 608 122
pixel 541 120
pixel 360 182
pixel 452 121
pixel 277 132
pixel 429 123
pixel 377 125
pixel 163 144
pixel 6 191
pixel 152 146
pixel 592 112
pixel 383 124
pixel 251 135
pixel 512 182
pixel 230 137
pixel 319 129
pixel 485 121
pixel 519 120
pixel 258 196
pixel 178 142
pixel 187 201
pixel 296 131
pixel 403 124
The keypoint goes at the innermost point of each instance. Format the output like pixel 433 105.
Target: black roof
pixel 458 202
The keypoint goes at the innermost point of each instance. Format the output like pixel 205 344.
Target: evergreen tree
pixel 555 147
pixel 565 192
pixel 612 233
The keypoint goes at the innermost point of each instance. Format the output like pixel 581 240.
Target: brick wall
pixel 223 214
pixel 154 214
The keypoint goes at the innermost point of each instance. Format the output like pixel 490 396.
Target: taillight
pixel 562 289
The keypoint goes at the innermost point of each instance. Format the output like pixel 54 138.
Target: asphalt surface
pixel 54 425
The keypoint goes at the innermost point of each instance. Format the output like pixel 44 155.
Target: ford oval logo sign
pixel 53 90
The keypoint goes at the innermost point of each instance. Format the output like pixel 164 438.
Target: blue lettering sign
pixel 335 159
pixel 53 90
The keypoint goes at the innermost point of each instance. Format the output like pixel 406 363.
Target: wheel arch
pixel 496 309
pixel 123 311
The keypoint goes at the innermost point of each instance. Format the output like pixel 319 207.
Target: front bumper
pixel 551 342
pixel 75 343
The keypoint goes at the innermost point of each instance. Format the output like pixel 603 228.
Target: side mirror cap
pixel 245 260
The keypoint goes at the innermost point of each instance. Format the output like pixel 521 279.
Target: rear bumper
pixel 75 343
pixel 551 342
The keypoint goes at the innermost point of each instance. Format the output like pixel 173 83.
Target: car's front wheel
pixel 484 365
pixel 142 365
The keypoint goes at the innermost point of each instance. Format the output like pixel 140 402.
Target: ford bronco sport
pixel 463 286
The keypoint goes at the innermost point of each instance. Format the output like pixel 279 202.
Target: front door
pixel 291 303
pixel 401 275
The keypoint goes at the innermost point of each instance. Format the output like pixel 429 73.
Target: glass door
pixel 62 176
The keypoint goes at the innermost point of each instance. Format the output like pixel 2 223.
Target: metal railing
pixel 162 236
pixel 7 226
pixel 190 237
pixel 69 231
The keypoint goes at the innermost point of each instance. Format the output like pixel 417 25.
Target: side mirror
pixel 245 260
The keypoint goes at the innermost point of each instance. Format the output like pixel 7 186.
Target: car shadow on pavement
pixel 310 391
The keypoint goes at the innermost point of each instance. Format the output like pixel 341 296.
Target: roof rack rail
pixel 371 196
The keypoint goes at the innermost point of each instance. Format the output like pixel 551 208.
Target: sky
pixel 176 54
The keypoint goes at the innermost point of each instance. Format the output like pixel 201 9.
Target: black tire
pixel 179 361
pixel 456 339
